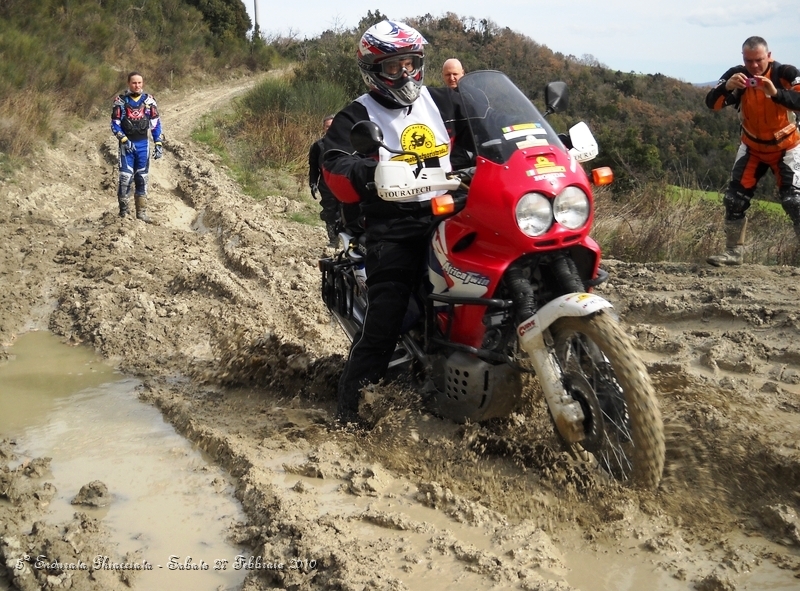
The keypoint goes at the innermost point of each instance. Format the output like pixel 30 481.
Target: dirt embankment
pixel 221 292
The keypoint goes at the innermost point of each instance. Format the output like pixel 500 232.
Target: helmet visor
pixel 394 68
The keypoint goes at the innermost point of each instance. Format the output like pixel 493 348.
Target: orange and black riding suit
pixel 770 138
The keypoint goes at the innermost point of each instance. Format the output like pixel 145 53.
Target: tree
pixel 225 18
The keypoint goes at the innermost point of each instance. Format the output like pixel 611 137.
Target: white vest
pixel 421 130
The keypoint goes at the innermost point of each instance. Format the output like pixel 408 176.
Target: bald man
pixel 452 71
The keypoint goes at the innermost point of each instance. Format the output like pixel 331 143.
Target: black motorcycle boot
pixel 348 395
pixel 123 206
pixel 141 208
pixel 734 245
pixel 333 237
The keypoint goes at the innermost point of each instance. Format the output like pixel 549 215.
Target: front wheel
pixel 604 374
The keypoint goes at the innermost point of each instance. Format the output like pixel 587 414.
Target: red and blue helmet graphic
pixel 385 40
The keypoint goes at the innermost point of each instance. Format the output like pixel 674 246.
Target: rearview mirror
pixel 556 96
pixel 366 137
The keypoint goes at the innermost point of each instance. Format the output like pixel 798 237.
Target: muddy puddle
pixel 168 503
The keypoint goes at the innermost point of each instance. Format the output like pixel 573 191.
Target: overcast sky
pixel 693 40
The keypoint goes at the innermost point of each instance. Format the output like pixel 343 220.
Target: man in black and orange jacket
pixel 767 96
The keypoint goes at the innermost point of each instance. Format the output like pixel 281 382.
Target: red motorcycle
pixel 510 273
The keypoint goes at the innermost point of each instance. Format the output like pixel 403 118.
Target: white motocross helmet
pixel 391 58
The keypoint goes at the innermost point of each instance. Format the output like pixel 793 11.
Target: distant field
pixel 681 193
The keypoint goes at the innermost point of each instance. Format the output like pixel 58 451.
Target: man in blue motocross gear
pixel 412 116
pixel 133 117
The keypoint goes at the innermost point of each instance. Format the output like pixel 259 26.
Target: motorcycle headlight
pixel 571 208
pixel 534 214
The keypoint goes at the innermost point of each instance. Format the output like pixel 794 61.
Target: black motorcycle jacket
pixel 347 174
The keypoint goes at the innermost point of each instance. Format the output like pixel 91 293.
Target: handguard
pixel 584 146
pixel 395 181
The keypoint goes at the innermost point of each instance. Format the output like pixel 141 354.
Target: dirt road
pixel 216 307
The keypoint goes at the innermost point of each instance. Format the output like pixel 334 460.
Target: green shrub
pixel 281 118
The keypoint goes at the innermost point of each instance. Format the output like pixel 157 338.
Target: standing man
pixel 452 71
pixel 134 116
pixel 391 60
pixel 767 95
pixel 330 206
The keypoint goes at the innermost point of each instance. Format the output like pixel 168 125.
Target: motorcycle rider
pixel 415 118
pixel 767 95
pixel 134 115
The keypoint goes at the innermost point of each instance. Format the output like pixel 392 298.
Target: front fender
pixel 571 304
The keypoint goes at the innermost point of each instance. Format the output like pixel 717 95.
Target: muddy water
pixel 169 504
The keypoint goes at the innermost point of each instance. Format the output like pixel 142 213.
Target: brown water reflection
pixel 65 403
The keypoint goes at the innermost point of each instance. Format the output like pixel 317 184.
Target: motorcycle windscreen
pixel 501 118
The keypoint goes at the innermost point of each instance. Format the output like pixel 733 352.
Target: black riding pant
pixel 396 250
pixel 749 167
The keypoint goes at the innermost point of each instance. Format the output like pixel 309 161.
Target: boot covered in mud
pixel 141 208
pixel 734 245
pixel 333 236
pixel 124 204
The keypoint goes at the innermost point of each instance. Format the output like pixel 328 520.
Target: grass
pixel 207 133
pixel 218 133
pixel 715 197
pixel 662 223
pixel 265 139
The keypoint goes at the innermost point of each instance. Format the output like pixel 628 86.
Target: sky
pixel 692 40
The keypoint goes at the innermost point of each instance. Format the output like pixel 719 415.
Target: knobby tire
pixel 644 459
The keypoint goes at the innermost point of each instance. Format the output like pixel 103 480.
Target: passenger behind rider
pixel 329 203
pixel 413 117
pixel 767 96
pixel 452 71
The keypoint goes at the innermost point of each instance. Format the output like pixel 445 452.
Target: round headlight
pixel 571 208
pixel 534 214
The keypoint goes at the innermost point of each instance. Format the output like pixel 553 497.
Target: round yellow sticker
pixel 420 139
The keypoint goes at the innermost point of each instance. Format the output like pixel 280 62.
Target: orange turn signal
pixel 442 205
pixel 602 176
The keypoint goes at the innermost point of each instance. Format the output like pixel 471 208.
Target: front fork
pixel 566 411
pixel 535 339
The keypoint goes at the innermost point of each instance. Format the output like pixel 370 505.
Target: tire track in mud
pixel 723 349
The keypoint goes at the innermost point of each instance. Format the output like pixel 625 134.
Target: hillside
pixel 649 126
pixel 64 60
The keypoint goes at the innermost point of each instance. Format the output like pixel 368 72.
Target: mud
pixel 215 308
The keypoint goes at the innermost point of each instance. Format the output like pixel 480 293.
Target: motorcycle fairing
pixel 496 241
pixel 517 153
